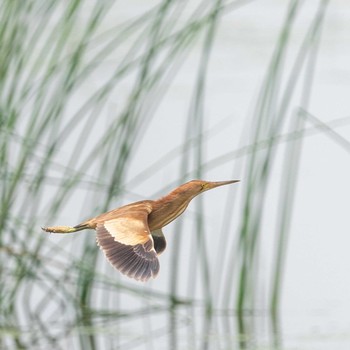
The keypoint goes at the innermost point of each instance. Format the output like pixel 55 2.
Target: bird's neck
pixel 166 210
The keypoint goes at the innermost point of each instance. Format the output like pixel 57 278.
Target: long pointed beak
pixel 210 185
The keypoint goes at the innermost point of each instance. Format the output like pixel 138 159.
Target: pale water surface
pixel 315 304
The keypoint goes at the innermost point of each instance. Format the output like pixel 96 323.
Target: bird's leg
pixel 65 229
pixel 59 229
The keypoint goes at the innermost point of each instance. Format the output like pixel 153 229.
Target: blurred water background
pixel 107 102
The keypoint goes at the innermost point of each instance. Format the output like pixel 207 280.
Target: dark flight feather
pixel 136 261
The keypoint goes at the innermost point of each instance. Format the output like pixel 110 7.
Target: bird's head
pixel 195 187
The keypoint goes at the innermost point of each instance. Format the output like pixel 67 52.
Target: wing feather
pixel 128 244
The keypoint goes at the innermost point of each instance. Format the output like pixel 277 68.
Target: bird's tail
pixel 66 229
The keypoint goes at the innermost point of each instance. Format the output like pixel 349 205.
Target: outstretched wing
pixel 127 242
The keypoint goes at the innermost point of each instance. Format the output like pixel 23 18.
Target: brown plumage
pixel 131 236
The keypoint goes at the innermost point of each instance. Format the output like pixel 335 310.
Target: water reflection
pixel 195 328
pixel 155 324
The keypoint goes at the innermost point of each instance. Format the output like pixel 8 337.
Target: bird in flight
pixel 131 236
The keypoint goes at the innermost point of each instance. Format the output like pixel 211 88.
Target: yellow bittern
pixel 131 236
